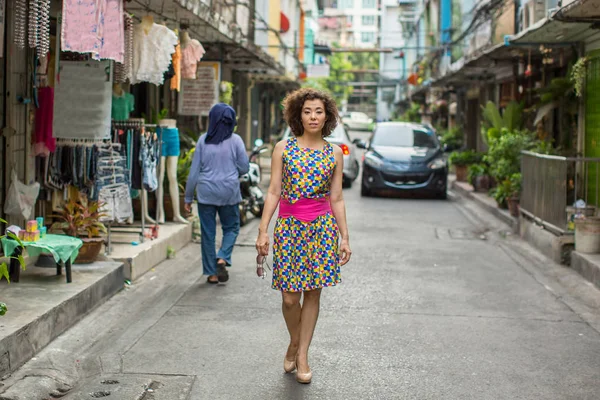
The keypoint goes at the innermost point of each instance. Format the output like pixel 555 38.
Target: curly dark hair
pixel 292 110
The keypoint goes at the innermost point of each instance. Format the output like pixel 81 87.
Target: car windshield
pixel 337 134
pixel 403 136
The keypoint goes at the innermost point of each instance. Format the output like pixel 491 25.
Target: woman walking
pixel 219 160
pixel 306 183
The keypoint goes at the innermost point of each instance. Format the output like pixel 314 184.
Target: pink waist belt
pixel 305 210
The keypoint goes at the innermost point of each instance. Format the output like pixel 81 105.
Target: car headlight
pixel 373 161
pixel 438 163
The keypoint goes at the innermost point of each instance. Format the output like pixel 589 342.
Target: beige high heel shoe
pixel 289 366
pixel 304 377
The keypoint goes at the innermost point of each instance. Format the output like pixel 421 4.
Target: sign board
pixel 82 100
pixel 317 71
pixel 199 95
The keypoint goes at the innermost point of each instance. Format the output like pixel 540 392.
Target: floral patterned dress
pixel 305 254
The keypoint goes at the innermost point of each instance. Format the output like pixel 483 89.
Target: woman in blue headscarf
pixel 219 160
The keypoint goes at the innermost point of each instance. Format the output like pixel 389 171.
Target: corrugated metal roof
pixel 586 10
pixel 551 31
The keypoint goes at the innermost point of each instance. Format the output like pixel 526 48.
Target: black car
pixel 404 156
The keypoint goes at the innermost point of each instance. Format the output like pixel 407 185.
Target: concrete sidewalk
pixel 482 199
pixel 42 306
pixel 552 246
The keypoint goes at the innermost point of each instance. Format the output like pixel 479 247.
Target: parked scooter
pixel 253 198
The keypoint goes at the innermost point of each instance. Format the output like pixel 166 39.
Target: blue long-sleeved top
pixel 215 172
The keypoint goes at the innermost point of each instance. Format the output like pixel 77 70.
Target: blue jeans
pixel 230 222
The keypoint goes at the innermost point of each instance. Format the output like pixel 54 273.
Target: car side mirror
pixel 361 144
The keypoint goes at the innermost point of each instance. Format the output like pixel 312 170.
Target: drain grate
pixel 455 234
pixel 102 393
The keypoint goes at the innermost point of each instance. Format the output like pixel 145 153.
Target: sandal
pixel 222 273
pixel 212 282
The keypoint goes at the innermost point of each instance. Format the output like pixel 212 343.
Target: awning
pixel 579 11
pixel 279 80
pixel 247 58
pixel 553 32
pixel 322 49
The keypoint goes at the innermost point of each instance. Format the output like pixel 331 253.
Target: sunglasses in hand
pixel 261 262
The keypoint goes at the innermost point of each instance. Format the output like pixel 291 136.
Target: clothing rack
pixel 80 142
pixel 139 229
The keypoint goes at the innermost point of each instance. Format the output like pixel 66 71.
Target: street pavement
pixel 438 302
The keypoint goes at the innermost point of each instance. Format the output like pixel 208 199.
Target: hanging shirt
pixel 95 27
pixel 112 37
pixel 79 28
pixel 152 53
pixel 121 106
pixel 45 143
pixel 191 54
pixel 176 80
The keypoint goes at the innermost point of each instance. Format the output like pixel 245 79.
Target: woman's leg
pixel 291 313
pixel 208 228
pixel 310 314
pixel 230 222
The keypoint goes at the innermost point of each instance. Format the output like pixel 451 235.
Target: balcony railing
pixel 552 184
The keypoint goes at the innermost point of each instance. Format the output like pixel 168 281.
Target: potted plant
pixel 452 139
pixel 501 193
pixel 514 194
pixel 81 218
pixel 461 160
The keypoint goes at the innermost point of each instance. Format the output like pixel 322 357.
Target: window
pixel 404 136
pixel 368 20
pixel 369 3
pixel 367 37
pixel 346 4
pixel 350 19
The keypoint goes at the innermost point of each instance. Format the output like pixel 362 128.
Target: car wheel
pixel 364 191
pixel 346 183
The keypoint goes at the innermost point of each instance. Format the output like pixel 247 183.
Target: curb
pixel 588 266
pixel 465 190
pixel 20 345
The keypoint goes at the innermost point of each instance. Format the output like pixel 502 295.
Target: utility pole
pixel 251 21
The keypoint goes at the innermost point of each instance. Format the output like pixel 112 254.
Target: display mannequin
pixel 147 23
pixel 168 159
pixel 122 103
pixel 147 217
pixel 185 39
pixel 191 54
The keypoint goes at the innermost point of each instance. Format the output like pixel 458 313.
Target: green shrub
pixel 476 170
pixel 466 157
pixel 504 153
pixel 453 139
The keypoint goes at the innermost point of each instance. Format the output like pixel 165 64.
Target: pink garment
pixel 190 56
pixel 113 32
pixel 44 142
pixel 80 24
pixel 94 26
pixel 304 209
